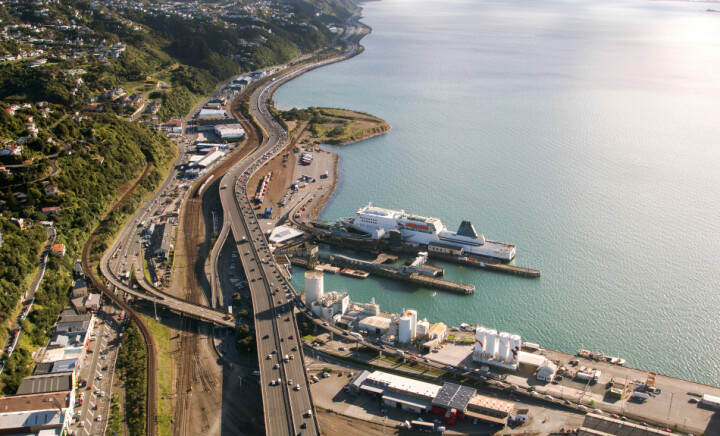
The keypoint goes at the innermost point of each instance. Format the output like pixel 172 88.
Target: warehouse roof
pixel 454 396
pixel 38 384
pixel 209 114
pixel 403 384
pixel 31 418
pixel 21 403
pixel 490 403
pixel 209 159
pixel 531 359
pixel 407 400
pixel 376 321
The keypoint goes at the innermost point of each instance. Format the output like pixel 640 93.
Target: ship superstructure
pixel 377 221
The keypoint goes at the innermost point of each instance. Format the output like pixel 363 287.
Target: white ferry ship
pixel 377 221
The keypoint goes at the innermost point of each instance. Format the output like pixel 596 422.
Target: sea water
pixel 586 133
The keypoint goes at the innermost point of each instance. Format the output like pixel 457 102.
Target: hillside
pixel 73 74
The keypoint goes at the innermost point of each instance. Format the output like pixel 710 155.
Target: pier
pixel 405 273
pixel 489 264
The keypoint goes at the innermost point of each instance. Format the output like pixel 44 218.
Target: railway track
pixel 192 371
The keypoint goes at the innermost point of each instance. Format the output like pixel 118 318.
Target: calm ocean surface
pixel 586 133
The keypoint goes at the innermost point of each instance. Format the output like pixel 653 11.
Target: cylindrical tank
pixel 413 322
pixel 480 342
pixel 313 286
pixel 422 327
pixel 491 346
pixel 515 344
pixel 404 329
pixel 503 346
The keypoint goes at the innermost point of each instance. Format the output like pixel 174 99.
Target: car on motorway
pixel 98 418
pixel 292 336
pixel 295 348
pixel 269 356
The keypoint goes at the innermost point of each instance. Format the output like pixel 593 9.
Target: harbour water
pixel 584 132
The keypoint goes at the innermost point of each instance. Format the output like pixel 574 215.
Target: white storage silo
pixel 503 346
pixel 313 286
pixel 491 346
pixel 422 327
pixel 480 341
pixel 413 322
pixel 515 344
pixel 404 329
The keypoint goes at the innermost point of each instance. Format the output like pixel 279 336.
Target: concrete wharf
pixel 494 265
pixel 384 271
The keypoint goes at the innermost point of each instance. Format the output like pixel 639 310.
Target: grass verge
pixel 161 333
pixel 116 415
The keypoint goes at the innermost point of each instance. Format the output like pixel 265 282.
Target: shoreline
pixel 319 205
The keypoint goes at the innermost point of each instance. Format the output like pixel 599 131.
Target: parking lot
pixel 95 377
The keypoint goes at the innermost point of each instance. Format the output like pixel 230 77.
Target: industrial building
pixel 211 114
pixel 314 286
pixel 40 414
pixel 436 334
pixel 547 372
pixel 451 402
pixel 207 160
pixel 498 349
pixel 375 325
pixel 229 131
pixel 330 305
pixel 282 234
pixel 396 391
pixel 489 409
pixel 46 383
pixel 407 326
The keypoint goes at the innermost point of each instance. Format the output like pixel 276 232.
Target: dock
pixel 388 271
pixel 490 264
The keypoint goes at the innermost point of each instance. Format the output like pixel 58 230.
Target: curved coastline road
pixel 283 382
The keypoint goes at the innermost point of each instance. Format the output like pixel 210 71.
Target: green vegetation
pixel 161 334
pixel 132 367
pixel 116 419
pixel 245 341
pixel 334 126
pixel 465 341
pixel 18 261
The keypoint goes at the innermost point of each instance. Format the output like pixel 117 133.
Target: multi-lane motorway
pixel 286 395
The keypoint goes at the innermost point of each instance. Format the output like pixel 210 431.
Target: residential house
pixel 58 250
pixel 51 189
pixel 51 210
